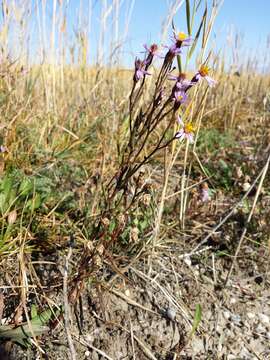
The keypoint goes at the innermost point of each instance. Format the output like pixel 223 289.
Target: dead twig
pixel 66 305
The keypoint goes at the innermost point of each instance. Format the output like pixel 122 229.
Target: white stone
pixel 264 319
pixel 251 315
pixel 227 314
pixel 187 261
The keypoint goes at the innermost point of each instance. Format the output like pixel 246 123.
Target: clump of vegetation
pixel 102 167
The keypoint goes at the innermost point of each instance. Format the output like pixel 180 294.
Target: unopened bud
pixel 134 234
pixel 105 222
pixel 12 217
pixel 146 199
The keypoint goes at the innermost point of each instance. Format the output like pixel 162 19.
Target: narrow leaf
pixel 197 319
pixel 198 33
pixel 188 17
pixel 179 64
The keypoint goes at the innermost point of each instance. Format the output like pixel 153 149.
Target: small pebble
pixel 246 186
pixel 264 319
pixel 250 315
pixel 171 314
pixel 227 314
pixel 187 261
pixel 236 319
pixel 127 292
pixel 260 329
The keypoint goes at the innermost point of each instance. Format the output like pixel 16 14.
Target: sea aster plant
pixel 140 71
pixel 205 194
pixel 203 73
pixel 186 131
pixel 3 149
pixel 179 39
pixel 151 51
pixel 182 84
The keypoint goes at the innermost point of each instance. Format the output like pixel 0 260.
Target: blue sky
pixel 248 18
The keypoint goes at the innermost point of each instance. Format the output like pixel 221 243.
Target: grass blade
pixel 197 319
pixel 202 24
pixel 188 17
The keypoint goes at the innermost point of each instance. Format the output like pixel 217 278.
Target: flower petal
pixel 211 81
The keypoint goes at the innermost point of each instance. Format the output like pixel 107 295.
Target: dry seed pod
pixel 146 199
pixel 134 234
pixel 105 222
pixel 246 186
pixel 239 172
pixel 121 219
pixel 12 217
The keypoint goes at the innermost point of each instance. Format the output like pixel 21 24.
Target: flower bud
pixel 12 217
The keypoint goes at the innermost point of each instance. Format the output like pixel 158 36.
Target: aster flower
pixel 186 131
pixel 205 193
pixel 180 96
pixel 140 71
pixel 179 39
pixel 203 73
pixel 151 51
pixel 3 149
pixel 182 84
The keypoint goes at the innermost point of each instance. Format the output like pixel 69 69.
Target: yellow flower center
pixel 189 128
pixel 181 36
pixel 179 98
pixel 204 70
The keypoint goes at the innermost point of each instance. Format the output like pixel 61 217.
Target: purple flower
pixel 205 193
pixel 179 39
pixel 174 50
pixel 3 149
pixel 179 96
pixel 203 73
pixel 182 84
pixel 151 51
pixel 186 131
pixel 182 39
pixel 140 71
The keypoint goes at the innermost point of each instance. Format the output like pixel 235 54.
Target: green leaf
pixel 44 317
pixel 179 63
pixel 34 203
pixel 25 187
pixel 112 226
pixel 22 333
pixel 143 224
pixel 2 203
pixel 33 311
pixel 7 185
pixel 188 17
pixel 197 319
pixel 6 188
